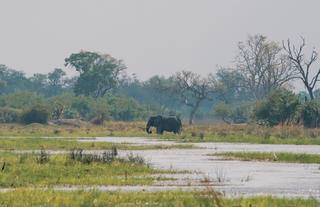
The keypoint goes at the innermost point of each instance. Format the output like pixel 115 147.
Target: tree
pixel 231 82
pixel 13 80
pixel 98 73
pixel 191 89
pixel 236 114
pixel 280 106
pixel 310 114
pixel 223 111
pixel 55 77
pixel 55 82
pixel 39 82
pixel 303 66
pixel 263 65
pixel 3 83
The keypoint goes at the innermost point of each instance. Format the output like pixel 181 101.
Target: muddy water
pixel 234 177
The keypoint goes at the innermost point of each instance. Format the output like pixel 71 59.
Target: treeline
pixel 102 88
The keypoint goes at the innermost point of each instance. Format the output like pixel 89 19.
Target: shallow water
pixel 235 178
pixel 238 177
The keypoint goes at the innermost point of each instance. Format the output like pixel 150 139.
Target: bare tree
pixel 263 65
pixel 303 65
pixel 193 89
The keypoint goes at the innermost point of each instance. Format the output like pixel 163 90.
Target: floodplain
pixel 121 165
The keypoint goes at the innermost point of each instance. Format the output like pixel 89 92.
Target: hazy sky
pixel 152 37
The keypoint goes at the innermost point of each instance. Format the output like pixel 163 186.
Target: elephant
pixel 163 123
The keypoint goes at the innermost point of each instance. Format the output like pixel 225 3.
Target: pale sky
pixel 153 37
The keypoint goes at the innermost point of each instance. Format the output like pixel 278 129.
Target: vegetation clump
pixel 41 170
pixel 36 114
pixel 9 115
pixel 271 157
pixel 208 198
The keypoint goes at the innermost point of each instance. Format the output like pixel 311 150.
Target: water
pixel 234 178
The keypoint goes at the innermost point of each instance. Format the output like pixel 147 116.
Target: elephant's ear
pixel 157 120
pixel 159 117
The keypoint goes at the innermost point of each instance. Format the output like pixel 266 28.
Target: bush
pixel 70 114
pixel 279 107
pixel 9 115
pixel 223 111
pixel 236 114
pixel 36 114
pixel 241 113
pixel 310 114
pixel 20 99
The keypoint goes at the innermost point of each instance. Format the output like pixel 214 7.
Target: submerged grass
pixel 43 170
pixel 271 157
pixel 72 143
pixel 209 198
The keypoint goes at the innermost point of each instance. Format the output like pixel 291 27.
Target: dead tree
pixel 193 89
pixel 263 66
pixel 302 65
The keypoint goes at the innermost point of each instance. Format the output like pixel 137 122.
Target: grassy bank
pixel 76 168
pixel 181 199
pixel 204 132
pixel 73 143
pixel 271 157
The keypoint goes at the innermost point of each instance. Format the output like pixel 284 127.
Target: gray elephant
pixel 163 123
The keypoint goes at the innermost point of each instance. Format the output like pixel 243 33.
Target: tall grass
pixel 72 143
pixel 178 198
pixel 41 170
pixel 203 132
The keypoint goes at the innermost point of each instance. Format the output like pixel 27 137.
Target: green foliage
pixel 83 105
pixel 43 170
pixel 205 198
pixel 280 106
pixel 223 111
pixel 20 99
pixel 241 113
pixel 236 114
pixel 36 114
pixel 9 115
pixel 57 110
pixel 107 107
pixel 125 109
pixel 98 73
pixel 310 114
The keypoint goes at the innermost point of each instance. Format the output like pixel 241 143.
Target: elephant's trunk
pixel 148 128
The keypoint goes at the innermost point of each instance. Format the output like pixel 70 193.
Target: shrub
pixel 43 157
pixel 9 115
pixel 310 114
pixel 279 107
pixel 223 111
pixel 70 114
pixel 20 99
pixel 236 114
pixel 241 113
pixel 36 114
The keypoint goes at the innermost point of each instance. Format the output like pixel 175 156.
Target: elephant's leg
pixel 158 130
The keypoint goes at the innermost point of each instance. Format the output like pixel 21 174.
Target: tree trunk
pixel 310 93
pixel 193 111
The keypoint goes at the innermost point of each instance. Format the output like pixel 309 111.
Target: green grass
pixel 271 157
pixel 25 197
pixel 203 132
pixel 73 143
pixel 41 170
